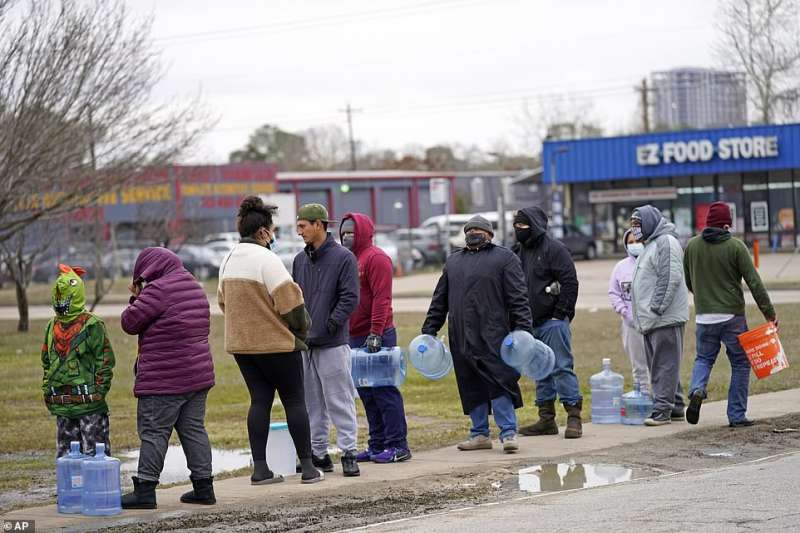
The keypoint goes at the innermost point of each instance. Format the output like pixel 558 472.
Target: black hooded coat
pixel 545 260
pixel 483 292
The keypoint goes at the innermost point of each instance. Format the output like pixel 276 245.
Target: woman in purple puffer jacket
pixel 174 371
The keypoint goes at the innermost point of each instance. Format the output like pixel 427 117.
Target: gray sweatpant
pixel 633 342
pixel 156 416
pixel 664 349
pixel 330 397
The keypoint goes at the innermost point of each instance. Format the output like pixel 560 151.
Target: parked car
pixel 45 269
pixel 424 240
pixel 386 244
pixel 119 263
pixel 220 249
pixel 579 243
pixel 287 249
pixel 199 260
pixel 228 236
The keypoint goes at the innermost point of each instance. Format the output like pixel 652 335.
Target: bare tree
pixel 328 148
pixel 20 252
pixel 564 118
pixel 76 116
pixel 75 111
pixel 762 38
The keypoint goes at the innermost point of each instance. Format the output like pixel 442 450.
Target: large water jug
pixel 527 355
pixel 430 357
pixel 101 489
pixel 606 395
pixel 636 406
pixel 69 486
pixel 380 369
pixel 281 452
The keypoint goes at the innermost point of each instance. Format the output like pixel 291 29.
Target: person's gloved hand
pixel 374 343
pixel 332 326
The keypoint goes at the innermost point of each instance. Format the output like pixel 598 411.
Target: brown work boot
pixel 574 428
pixel 546 424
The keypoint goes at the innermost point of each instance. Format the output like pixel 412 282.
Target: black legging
pixel 263 374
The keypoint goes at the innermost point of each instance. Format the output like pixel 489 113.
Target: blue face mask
pixel 636 231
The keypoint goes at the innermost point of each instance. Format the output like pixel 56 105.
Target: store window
pixel 781 210
pixel 581 208
pixel 682 208
pixel 756 208
pixel 703 196
pixel 730 191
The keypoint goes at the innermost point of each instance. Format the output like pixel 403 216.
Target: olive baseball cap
pixel 312 212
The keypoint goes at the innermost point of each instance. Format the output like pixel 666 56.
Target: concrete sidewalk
pixel 444 461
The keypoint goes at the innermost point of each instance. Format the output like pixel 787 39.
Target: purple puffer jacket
pixel 172 318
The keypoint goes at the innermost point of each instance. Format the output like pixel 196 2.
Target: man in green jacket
pixel 77 364
pixel 715 264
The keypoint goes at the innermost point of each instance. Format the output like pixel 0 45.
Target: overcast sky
pixel 420 71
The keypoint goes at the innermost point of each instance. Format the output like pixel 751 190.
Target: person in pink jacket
pixel 619 292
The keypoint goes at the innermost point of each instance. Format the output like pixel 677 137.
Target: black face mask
pixel 474 240
pixel 523 235
pixel 348 241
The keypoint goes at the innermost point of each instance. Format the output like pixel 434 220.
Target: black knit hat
pixel 478 222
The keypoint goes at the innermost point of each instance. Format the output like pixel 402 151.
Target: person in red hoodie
pixel 371 326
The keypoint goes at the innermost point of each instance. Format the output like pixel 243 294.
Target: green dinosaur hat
pixel 69 293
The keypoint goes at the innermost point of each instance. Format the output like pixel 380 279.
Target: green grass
pixel 433 408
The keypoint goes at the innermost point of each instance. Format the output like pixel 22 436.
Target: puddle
pixel 554 477
pixel 175 463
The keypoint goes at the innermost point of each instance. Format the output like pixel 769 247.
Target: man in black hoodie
pixel 552 292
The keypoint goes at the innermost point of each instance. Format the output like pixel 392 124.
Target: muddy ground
pixel 377 502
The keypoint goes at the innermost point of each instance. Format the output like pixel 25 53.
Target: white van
pixel 455 235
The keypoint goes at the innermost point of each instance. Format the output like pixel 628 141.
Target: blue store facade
pixel 756 170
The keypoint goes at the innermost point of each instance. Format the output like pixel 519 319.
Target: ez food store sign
pixel 703 150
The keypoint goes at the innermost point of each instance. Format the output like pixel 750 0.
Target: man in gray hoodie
pixel 660 305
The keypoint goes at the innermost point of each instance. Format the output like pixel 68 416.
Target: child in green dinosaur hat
pixel 78 361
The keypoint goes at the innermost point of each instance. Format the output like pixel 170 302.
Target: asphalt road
pixel 756 496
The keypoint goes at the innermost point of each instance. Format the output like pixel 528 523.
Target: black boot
pixel 546 424
pixel 143 495
pixel 203 492
pixel 574 426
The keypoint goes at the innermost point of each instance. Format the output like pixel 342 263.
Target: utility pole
pixel 349 111
pixel 645 95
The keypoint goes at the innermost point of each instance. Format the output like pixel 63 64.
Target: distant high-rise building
pixel 699 98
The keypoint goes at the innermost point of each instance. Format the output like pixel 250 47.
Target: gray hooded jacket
pixel 659 295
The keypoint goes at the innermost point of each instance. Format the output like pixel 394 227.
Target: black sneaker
pixel 350 465
pixel 746 422
pixel 323 463
pixel 677 415
pixel 658 419
pixel 693 411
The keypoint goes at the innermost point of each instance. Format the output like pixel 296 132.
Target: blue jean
pixel 563 381
pixel 504 417
pixel 386 415
pixel 709 339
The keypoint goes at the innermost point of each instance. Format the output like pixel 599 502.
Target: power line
pixel 452 106
pixel 289 25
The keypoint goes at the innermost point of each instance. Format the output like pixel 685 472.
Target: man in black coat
pixel 552 292
pixel 483 290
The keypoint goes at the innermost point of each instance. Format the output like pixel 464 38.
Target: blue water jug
pixel 101 490
pixel 606 395
pixel 380 369
pixel 636 406
pixel 69 486
pixel 430 357
pixel 528 356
